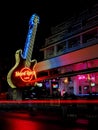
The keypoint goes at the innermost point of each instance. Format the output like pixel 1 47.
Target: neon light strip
pixel 52 101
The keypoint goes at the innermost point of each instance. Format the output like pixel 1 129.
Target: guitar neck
pixel 29 45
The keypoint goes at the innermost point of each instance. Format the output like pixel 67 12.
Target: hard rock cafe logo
pixel 26 74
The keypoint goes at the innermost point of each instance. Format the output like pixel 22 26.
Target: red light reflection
pixel 18 121
pixel 52 101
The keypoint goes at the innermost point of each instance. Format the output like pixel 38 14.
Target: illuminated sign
pixel 26 74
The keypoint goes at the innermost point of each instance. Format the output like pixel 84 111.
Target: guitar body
pixel 16 81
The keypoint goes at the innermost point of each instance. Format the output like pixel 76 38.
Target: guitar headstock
pixel 34 19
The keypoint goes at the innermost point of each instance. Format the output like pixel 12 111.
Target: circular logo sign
pixel 26 74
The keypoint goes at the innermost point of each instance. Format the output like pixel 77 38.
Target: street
pixel 23 120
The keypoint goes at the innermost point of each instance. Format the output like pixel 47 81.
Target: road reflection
pixel 24 121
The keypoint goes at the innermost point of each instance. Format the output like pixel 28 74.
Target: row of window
pixel 72 25
pixel 76 42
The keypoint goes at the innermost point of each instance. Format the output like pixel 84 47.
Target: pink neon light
pixel 92 78
pixel 81 77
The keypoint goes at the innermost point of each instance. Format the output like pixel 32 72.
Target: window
pixel 61 47
pixel 74 42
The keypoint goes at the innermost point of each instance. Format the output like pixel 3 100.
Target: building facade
pixel 71 56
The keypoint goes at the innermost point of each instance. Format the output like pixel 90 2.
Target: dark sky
pixel 15 17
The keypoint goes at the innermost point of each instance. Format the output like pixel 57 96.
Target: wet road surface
pixel 24 121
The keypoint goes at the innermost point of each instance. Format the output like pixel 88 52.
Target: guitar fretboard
pixel 29 45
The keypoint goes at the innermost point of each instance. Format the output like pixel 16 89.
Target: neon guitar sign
pixel 22 73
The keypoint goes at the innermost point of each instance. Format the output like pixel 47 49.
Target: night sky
pixel 15 16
